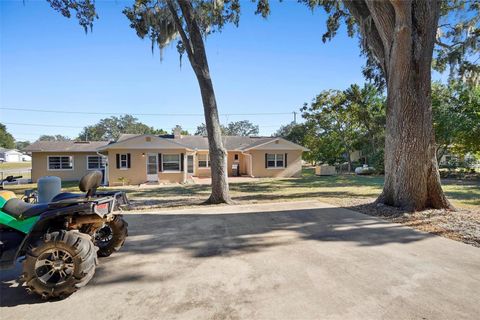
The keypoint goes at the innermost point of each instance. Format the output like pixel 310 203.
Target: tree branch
pixel 384 17
pixel 183 35
pixel 370 35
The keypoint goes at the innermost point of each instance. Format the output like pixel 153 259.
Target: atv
pixel 59 241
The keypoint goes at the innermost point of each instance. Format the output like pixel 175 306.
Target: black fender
pixel 53 219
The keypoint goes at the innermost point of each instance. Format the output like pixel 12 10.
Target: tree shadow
pixel 234 233
pixel 204 236
pixel 11 292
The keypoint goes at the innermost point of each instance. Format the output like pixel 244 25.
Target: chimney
pixel 177 132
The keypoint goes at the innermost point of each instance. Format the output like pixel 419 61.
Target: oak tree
pixel 190 21
pixel 399 38
pixel 6 139
pixel 112 127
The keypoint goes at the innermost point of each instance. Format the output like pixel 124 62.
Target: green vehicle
pixel 60 241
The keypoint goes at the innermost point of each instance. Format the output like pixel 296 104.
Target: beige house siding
pixel 137 173
pixel 201 172
pixel 293 169
pixel 40 165
pixel 231 159
pixel 251 161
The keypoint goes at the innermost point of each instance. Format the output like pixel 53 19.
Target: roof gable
pixel 144 141
pixel 276 144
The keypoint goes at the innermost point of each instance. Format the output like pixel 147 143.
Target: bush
pixel 377 160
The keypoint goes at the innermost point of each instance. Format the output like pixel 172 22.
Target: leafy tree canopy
pixel 6 139
pixel 182 132
pixel 20 145
pixel 235 128
pixel 340 122
pixel 153 19
pixel 57 137
pixel 456 117
pixel 111 128
pixel 457 42
pixel 241 128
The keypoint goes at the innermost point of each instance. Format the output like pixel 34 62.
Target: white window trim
pixel 276 167
pixel 208 161
pixel 103 160
pixel 53 156
pixel 179 162
pixel 120 160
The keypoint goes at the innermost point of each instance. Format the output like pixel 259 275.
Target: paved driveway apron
pixel 293 260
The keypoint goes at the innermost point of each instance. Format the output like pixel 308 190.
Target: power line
pixel 145 114
pixel 74 127
pixel 40 125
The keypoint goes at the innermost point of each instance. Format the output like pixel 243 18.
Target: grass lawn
pixel 16 169
pixel 345 190
pixel 15 165
pixel 349 191
pixel 339 190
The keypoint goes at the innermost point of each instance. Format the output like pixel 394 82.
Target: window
pixel 95 162
pixel 275 160
pixel 60 163
pixel 123 161
pixel 171 162
pixel 204 160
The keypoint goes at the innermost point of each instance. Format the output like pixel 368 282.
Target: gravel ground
pixel 460 225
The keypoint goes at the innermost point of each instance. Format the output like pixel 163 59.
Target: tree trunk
pixel 412 180
pixel 218 154
pixel 198 59
pixel 400 34
pixel 349 160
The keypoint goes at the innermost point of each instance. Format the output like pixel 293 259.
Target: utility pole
pixel 294 117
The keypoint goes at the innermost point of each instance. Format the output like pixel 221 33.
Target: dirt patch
pixel 460 225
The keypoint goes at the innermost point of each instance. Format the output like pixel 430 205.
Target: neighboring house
pixel 136 159
pixel 11 155
pixel 26 158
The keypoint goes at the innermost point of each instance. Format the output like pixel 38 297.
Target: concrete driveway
pixel 295 260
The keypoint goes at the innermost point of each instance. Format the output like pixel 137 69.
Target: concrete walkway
pixel 294 260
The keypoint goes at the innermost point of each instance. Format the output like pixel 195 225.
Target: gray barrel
pixel 48 187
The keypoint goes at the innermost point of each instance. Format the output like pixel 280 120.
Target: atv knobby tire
pixel 71 257
pixel 119 232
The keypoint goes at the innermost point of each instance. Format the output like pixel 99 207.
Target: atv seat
pixel 67 195
pixel 22 210
pixel 88 184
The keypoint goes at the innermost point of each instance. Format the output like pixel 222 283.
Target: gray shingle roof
pixel 201 142
pixel 63 146
pixel 190 142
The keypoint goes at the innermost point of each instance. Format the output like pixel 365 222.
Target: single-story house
pixel 26 158
pixel 136 159
pixel 10 155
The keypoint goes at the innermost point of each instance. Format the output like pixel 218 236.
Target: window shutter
pixel 286 154
pixel 128 160
pixel 118 161
pixel 182 164
pixel 266 160
pixel 160 169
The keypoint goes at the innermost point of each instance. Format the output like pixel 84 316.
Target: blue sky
pixel 273 65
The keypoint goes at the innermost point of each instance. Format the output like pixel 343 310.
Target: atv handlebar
pixel 11 178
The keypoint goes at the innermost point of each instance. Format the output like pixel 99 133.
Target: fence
pixel 26 175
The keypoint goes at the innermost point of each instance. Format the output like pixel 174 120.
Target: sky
pixel 272 65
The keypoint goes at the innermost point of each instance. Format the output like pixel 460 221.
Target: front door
pixel 152 167
pixel 190 164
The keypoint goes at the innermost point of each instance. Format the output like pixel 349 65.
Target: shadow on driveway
pixel 203 235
